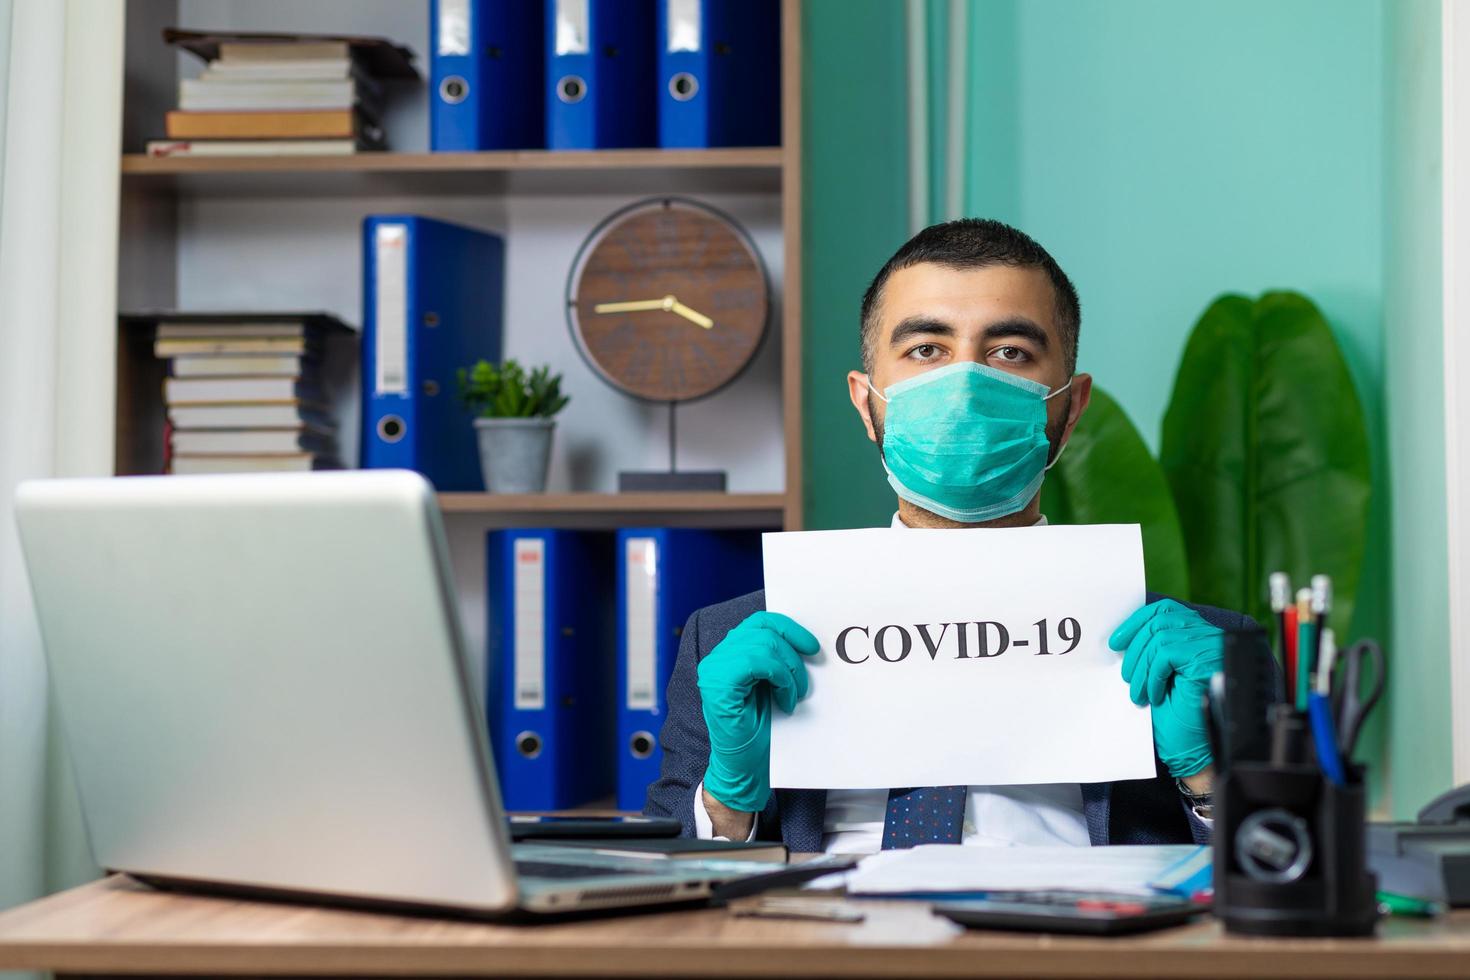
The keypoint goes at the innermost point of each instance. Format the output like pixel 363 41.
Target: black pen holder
pixel 1290 852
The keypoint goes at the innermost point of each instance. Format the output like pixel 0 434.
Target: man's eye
pixel 925 352
pixel 1013 355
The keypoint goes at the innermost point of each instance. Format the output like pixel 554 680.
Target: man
pixel 969 389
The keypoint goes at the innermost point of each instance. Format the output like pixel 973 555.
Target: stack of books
pixel 246 394
pixel 293 97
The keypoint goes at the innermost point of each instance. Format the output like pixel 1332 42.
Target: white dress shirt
pixel 995 816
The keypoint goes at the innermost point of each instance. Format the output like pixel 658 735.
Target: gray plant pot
pixel 515 453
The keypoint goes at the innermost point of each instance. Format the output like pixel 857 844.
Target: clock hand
pixel 668 304
pixel 633 306
pixel 692 315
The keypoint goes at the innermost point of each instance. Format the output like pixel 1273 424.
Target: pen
pixel 1390 903
pixel 1324 728
pixel 1328 663
pixel 1280 599
pixel 1305 644
pixel 1321 607
pixel 791 907
pixel 1288 626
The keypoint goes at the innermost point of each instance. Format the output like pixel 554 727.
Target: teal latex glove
pixel 757 662
pixel 1169 654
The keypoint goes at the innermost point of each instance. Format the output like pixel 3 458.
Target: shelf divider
pixel 754 510
pixel 530 171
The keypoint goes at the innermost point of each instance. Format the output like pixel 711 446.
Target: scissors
pixel 1355 702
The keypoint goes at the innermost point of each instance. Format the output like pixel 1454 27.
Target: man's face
pixel 1001 316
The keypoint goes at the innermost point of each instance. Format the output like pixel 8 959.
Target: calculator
pixel 1088 913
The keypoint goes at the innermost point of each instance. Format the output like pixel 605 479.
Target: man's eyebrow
pixel 1018 326
pixel 916 326
pixel 926 326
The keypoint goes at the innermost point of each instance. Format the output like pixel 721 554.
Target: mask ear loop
pixel 1058 456
pixel 868 384
pixel 1059 391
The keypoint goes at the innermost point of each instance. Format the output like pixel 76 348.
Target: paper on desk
pixel 959 868
pixel 960 657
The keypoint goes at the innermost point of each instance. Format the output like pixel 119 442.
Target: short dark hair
pixel 972 243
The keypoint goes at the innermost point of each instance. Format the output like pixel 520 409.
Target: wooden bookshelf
pixel 162 198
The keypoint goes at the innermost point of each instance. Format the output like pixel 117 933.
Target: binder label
pixel 529 675
pixel 454 27
pixel 390 301
pixel 684 25
pixel 572 34
pixel 641 576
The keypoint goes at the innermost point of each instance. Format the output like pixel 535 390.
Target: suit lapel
pixel 803 812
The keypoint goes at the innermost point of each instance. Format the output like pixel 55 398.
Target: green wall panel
pixel 854 215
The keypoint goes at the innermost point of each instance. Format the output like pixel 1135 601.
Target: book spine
pixel 304 124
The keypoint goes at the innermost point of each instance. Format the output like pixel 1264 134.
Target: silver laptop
pixel 263 685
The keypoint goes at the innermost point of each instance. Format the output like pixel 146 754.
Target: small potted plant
pixel 514 420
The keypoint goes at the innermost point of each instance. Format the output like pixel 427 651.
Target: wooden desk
pixel 118 926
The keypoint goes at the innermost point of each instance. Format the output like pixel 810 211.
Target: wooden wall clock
pixel 668 302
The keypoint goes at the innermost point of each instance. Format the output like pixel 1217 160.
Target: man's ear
pixel 1081 394
pixel 857 391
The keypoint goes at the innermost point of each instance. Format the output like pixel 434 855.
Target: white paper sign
pixel 960 657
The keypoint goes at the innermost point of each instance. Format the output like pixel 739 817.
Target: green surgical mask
pixel 966 441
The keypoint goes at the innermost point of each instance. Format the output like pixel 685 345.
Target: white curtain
pixel 60 136
pixel 938 53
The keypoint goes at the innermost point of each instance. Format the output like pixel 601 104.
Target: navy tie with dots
pixel 927 815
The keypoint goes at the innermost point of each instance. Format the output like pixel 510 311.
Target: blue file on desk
pixel 487 75
pixel 550 648
pixel 433 296
pixel 719 73
pixel 599 74
pixel 664 575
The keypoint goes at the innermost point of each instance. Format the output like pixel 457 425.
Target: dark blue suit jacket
pixel 1138 811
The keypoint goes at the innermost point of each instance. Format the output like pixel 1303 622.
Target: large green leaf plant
pixel 1266 451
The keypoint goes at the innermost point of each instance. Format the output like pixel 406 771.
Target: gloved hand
pixel 1169 654
pixel 757 662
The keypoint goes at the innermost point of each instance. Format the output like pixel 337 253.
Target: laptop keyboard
pixel 555 869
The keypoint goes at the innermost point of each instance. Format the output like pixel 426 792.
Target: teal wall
pixel 1419 730
pixel 1166 152
pixel 1169 151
